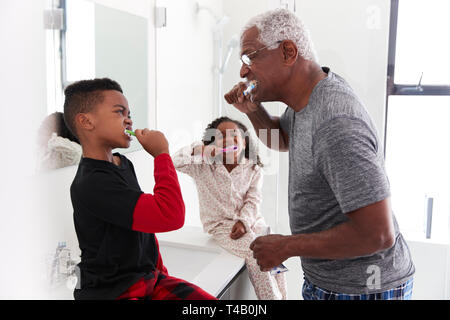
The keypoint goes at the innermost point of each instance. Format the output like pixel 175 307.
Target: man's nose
pixel 245 69
pixel 129 121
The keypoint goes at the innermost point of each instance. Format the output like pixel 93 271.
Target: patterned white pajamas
pixel 267 286
pixel 225 198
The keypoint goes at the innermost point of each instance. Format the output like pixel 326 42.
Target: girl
pixel 228 175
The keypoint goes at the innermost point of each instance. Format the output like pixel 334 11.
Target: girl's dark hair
pixel 209 138
pixel 55 123
pixel 61 127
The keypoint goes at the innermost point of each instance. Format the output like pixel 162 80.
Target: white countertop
pixel 214 266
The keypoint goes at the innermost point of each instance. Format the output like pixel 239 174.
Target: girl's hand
pixel 197 151
pixel 237 231
pixel 210 151
pixel 207 151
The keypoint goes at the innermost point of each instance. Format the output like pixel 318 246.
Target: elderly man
pixel 340 216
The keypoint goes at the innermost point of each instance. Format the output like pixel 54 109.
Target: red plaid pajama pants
pixel 158 285
pixel 161 286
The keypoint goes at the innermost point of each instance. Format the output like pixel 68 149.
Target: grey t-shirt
pixel 336 166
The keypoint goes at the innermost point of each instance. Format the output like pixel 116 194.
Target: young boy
pixel 114 220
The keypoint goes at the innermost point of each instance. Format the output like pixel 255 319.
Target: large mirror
pixel 86 40
pixel 198 61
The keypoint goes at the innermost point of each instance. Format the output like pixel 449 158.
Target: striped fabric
pixel 402 292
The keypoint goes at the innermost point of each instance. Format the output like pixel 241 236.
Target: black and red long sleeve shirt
pixel 116 222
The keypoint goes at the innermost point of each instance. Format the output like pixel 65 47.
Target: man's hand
pixel 239 101
pixel 269 251
pixel 154 142
pixel 237 231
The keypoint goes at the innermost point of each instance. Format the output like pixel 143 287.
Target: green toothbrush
pixel 130 133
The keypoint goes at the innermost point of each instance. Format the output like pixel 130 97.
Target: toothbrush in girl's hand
pixel 129 133
pixel 228 149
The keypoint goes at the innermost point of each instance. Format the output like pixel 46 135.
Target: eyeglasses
pixel 245 58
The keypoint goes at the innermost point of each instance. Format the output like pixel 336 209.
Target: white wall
pixel 351 37
pixel 23 100
pixel 22 79
pixel 36 211
pixel 432 277
pixel 185 74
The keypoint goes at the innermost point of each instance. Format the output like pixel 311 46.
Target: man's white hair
pixel 282 24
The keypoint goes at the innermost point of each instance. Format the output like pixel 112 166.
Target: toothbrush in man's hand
pixel 251 85
pixel 278 269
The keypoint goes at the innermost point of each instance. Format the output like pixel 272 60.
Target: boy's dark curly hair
pixel 82 96
pixel 209 138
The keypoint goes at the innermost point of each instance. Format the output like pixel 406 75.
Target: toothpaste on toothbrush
pixel 228 149
pixel 251 85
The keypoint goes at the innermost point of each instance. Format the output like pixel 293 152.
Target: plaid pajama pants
pixel 161 286
pixel 402 292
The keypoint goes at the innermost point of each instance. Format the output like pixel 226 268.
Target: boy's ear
pixel 84 122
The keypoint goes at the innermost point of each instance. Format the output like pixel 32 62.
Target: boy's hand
pixel 154 142
pixel 237 231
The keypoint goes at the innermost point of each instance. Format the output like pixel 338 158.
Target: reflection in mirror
pixel 194 34
pixel 96 41
pixel 198 61
pixel 57 146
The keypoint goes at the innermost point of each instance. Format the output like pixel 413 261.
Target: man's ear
pixel 290 52
pixel 84 122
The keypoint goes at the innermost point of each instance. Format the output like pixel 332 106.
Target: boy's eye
pixel 122 112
